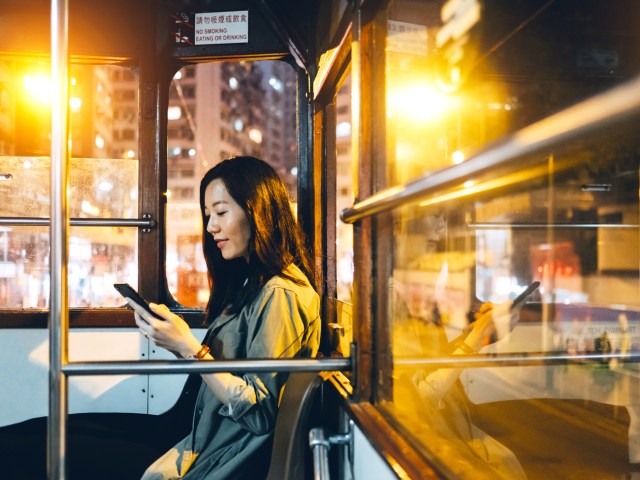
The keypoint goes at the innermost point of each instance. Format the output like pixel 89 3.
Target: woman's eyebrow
pixel 219 202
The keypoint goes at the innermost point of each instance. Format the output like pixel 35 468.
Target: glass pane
pixel 103 182
pixel 568 219
pixel 344 195
pixel 243 108
pixel 106 188
pixel 345 178
pixel 98 257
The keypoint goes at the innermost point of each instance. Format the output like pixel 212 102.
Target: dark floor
pixel 100 446
pixel 563 439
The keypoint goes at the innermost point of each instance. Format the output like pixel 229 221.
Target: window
pixel 103 184
pixel 128 134
pixel 345 197
pixel 567 218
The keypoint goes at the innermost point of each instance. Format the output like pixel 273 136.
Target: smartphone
pixel 127 290
pixel 525 293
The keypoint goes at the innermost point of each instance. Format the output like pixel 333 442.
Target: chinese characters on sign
pixel 405 37
pixel 222 27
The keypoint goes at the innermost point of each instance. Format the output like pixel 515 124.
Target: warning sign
pixel 182 27
pixel 405 37
pixel 222 27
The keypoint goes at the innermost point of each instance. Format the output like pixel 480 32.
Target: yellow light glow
pixel 90 209
pixel 421 102
pixel 38 87
pixel 75 103
pixel 457 157
pixel 255 135
pixel 131 154
pixel 405 151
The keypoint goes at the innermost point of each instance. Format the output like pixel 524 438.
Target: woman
pixel 262 305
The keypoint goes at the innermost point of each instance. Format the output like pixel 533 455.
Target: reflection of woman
pixel 444 401
pixel 437 395
pixel 262 305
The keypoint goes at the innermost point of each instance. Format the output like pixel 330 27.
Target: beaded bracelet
pixel 204 350
pixel 462 345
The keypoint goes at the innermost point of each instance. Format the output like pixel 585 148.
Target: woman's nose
pixel 212 225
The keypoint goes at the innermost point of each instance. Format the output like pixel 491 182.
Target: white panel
pixel 25 377
pixel 164 390
pixel 367 463
pixel 108 393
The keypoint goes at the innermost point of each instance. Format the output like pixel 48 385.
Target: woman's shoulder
pixel 301 288
pixel 292 271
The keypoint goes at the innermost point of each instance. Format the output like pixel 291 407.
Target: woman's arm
pixel 282 326
pixel 489 319
pixel 174 334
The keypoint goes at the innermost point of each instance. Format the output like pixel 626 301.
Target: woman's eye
pixel 221 213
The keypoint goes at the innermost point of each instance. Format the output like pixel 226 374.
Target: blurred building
pixel 216 110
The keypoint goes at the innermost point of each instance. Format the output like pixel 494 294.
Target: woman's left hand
pixel 170 332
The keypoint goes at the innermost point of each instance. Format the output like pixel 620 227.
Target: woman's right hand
pixel 490 319
pixel 170 331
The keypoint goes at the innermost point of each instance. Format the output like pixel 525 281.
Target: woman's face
pixel 228 222
pixel 435 230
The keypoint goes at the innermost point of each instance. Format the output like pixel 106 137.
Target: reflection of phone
pixel 127 290
pixel 525 293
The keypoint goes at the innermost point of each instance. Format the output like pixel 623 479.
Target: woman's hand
pixel 490 319
pixel 170 332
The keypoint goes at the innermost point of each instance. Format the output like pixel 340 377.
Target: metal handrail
pixel 217 366
pixel 517 359
pixel 84 222
pixel 595 113
pixel 497 225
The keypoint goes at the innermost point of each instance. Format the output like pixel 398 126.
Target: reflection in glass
pixel 569 219
pixel 342 331
pixel 344 190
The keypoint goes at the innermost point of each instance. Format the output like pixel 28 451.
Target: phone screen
pixel 127 290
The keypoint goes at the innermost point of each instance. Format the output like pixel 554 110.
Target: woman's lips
pixel 220 243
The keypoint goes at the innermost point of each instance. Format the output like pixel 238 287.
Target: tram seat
pixel 291 456
pixel 96 440
pixel 101 446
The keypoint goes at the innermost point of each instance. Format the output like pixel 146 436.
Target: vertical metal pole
pixel 59 311
pixel 320 447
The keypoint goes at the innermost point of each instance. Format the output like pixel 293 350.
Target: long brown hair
pixel 276 238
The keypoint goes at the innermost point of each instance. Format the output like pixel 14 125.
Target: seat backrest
pixel 291 442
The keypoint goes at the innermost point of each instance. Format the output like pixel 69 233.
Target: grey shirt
pixel 233 442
